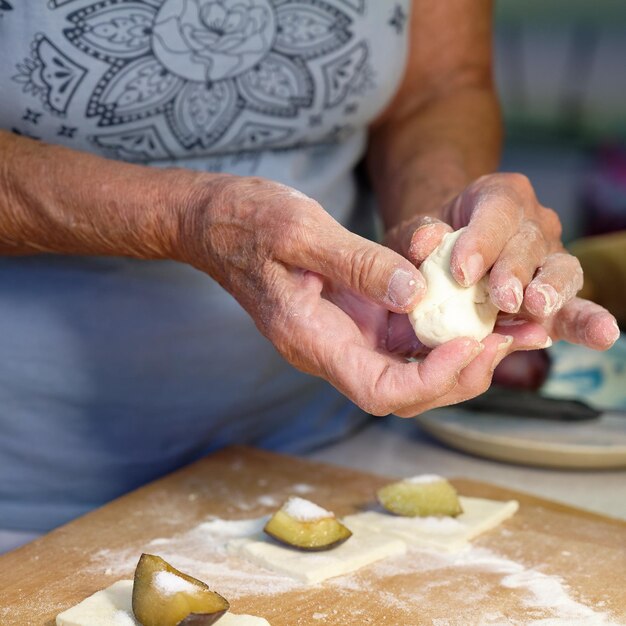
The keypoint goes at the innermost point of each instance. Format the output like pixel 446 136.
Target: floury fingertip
pixel 618 332
pixel 509 295
pixel 551 298
pixel 472 269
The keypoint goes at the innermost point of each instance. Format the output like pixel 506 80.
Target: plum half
pixel 421 496
pixel 163 596
pixel 306 526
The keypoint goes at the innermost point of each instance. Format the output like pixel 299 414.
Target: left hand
pixel 532 277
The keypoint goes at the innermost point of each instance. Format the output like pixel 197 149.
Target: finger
pixel 324 341
pixel 586 323
pixel 495 218
pixel 474 379
pixel 373 270
pixel 425 239
pixel 516 266
pixel 557 282
pixel 527 335
pixel 415 239
pixel 440 371
pixel 381 384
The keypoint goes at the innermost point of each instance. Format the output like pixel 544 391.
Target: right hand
pixel 532 279
pixel 323 295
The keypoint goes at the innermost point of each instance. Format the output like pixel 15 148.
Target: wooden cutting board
pixel 586 551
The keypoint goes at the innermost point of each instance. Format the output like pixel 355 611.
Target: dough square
pixel 109 607
pixel 363 548
pixel 443 533
pixel 113 607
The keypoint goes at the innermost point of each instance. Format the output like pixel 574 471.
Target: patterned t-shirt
pixel 161 80
pixel 114 371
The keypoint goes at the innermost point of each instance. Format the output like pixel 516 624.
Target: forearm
pixel 420 161
pixel 57 200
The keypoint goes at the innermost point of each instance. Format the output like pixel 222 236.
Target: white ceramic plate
pixel 596 444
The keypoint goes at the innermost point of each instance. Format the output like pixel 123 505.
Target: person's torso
pixel 115 371
pixel 163 80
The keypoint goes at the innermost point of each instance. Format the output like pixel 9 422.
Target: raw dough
pixel 443 533
pixel 113 607
pixel 363 548
pixel 376 536
pixel 449 310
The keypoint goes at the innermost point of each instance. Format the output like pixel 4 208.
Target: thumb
pixel 368 268
pixel 417 237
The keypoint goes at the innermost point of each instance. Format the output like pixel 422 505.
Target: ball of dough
pixel 449 310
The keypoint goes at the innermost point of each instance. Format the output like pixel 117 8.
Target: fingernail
pixel 429 219
pixel 505 345
pixel 513 321
pixel 472 269
pixel 502 351
pixel 509 295
pixel 420 233
pixel 617 332
pixel 403 288
pixel 540 346
pixel 476 350
pixel 550 297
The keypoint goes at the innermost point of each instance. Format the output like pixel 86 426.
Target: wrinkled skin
pixel 331 302
pixel 532 280
pixel 334 304
pixel 323 296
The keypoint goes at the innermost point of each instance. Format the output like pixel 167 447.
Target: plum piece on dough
pixel 163 596
pixel 302 524
pixel 421 496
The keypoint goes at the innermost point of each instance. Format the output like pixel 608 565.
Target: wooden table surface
pixel 587 553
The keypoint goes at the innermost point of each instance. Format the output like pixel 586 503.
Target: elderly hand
pixel 532 277
pixel 323 295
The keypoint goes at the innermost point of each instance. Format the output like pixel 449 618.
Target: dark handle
pixel 522 403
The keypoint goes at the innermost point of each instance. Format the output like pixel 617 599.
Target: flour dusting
pixel 267 501
pixel 201 552
pixel 169 584
pixel 424 479
pixel 538 592
pixel 546 599
pixel 228 529
pixel 303 488
pixel 305 510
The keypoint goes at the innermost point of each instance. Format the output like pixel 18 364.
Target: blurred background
pixel 561 75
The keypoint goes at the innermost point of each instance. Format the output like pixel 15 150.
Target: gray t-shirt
pixel 115 371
